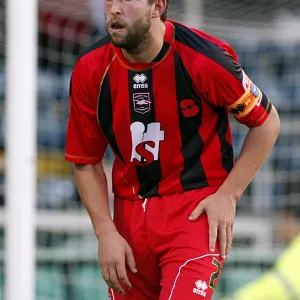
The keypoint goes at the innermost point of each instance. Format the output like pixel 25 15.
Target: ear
pixel 159 6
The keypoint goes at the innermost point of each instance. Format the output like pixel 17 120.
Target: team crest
pixel 141 102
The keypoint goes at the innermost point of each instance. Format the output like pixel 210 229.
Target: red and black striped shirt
pixel 167 121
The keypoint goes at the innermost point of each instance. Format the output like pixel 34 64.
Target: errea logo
pixel 201 287
pixel 140 80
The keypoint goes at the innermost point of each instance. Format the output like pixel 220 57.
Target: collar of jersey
pixel 169 38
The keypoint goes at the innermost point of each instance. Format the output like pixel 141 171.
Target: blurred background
pixel 266 37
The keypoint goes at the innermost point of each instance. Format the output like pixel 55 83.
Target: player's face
pixel 128 22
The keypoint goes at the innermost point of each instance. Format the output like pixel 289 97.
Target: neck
pixel 151 47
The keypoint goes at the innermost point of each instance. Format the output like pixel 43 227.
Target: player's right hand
pixel 113 252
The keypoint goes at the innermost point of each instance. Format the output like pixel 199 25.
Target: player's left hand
pixel 220 210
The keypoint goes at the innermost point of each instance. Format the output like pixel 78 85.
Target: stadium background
pixel 265 35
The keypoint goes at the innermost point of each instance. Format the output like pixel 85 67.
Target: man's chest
pixel 141 112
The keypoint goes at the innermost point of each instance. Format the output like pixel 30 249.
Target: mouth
pixel 116 26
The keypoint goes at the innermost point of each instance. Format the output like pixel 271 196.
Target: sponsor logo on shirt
pixel 145 142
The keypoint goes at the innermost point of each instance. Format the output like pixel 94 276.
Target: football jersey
pixel 167 121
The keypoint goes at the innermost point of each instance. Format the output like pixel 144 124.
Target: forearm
pixel 257 146
pixel 92 186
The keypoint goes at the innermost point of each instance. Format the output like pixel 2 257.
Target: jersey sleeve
pixel 85 142
pixel 224 83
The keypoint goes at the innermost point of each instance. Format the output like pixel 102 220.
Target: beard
pixel 137 38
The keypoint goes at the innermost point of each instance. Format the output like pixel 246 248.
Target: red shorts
pixel 171 253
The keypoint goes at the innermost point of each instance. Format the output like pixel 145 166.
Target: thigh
pixel 189 270
pixel 187 276
pixel 129 218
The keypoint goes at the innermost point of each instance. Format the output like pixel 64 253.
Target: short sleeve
pixel 85 142
pixel 224 83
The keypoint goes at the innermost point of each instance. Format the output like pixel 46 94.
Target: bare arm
pixel 113 250
pixel 224 83
pixel 92 186
pixel 257 146
pixel 85 147
pixel 220 207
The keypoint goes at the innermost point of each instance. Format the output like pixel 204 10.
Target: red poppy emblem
pixel 189 108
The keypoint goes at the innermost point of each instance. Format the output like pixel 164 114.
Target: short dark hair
pixel 164 16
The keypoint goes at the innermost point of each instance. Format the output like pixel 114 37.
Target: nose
pixel 115 7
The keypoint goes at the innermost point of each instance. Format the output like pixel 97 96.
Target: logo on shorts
pixel 141 102
pixel 201 287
